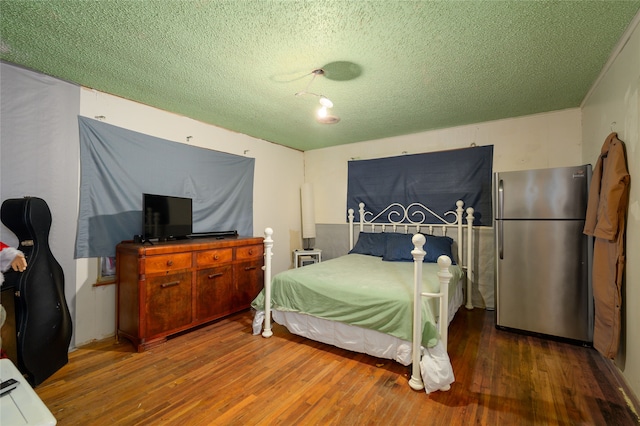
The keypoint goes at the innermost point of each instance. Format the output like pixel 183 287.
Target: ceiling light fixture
pixel 323 113
pixel 326 102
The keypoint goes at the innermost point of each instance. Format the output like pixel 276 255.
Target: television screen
pixel 166 217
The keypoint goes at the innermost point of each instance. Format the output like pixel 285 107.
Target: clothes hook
pixel 613 125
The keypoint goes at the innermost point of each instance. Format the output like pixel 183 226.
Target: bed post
pixel 268 244
pixel 418 256
pixel 469 304
pixel 350 229
pixel 459 223
pixel 361 211
pixel 444 277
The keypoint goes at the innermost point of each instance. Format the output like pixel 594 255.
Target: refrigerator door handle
pixel 500 239
pixel 501 199
pixel 501 218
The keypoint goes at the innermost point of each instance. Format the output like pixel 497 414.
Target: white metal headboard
pixel 403 218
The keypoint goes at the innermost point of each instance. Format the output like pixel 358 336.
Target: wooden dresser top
pixel 195 244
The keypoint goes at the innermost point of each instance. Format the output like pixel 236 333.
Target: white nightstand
pixel 22 406
pixel 306 257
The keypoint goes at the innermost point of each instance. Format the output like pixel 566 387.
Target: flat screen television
pixel 166 217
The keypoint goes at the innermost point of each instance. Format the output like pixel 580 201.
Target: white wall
pixel 536 141
pixel 39 153
pixel 614 104
pixel 549 140
pixel 279 173
pixel 531 142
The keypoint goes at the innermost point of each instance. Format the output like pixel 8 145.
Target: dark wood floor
pixel 221 374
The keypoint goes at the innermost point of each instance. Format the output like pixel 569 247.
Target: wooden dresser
pixel 168 287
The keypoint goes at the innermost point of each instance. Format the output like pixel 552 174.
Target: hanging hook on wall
pixel 475 136
pixel 613 126
pixel 189 138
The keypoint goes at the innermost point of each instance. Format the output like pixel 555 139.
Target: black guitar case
pixel 43 322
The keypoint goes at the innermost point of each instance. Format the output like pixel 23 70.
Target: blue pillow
pixel 372 244
pixel 437 246
pixel 399 246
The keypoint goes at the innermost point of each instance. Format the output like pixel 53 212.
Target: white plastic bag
pixel 258 319
pixel 436 369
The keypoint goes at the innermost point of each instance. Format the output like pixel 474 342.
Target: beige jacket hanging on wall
pixel 606 213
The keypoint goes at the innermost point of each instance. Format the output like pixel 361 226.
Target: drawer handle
pixel 219 274
pixel 169 262
pixel 216 257
pixel 171 284
pixel 250 268
pixel 250 252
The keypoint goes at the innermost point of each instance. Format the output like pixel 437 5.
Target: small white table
pixel 306 257
pixel 21 406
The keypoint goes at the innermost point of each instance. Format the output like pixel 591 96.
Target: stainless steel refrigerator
pixel 543 260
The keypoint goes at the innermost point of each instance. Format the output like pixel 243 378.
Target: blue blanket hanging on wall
pixel 119 165
pixel 435 179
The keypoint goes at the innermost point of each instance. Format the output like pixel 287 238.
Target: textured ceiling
pixel 391 67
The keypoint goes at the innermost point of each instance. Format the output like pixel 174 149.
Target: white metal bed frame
pixel 402 219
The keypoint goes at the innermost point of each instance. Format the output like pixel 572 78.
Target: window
pixel 106 271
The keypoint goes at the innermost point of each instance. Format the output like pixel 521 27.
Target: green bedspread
pixel 360 290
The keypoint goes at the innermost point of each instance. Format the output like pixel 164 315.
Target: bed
pixel 367 300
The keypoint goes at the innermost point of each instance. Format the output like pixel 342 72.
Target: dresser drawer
pixel 168 302
pixel 167 263
pixel 214 257
pixel 249 252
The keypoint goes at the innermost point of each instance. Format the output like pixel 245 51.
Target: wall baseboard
pixel 628 394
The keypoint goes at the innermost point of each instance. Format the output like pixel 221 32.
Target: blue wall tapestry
pixel 435 179
pixel 119 165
